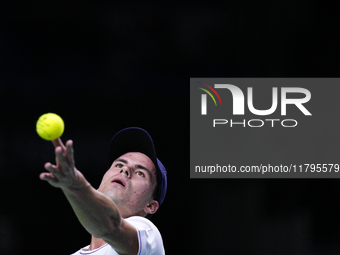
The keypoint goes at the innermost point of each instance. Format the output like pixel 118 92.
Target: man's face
pixel 130 183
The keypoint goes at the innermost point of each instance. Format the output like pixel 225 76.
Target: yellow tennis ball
pixel 50 126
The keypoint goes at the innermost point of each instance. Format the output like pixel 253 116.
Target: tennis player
pixel 131 191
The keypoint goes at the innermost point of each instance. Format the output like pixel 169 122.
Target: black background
pixel 107 65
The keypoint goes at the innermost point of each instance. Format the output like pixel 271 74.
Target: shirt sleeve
pixel 149 238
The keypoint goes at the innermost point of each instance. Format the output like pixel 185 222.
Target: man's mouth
pixel 119 181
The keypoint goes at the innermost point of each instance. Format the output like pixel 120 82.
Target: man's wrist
pixel 83 186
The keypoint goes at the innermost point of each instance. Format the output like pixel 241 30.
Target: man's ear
pixel 152 207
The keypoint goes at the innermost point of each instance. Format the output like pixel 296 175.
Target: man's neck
pixel 96 243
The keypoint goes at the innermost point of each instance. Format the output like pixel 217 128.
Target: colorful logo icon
pixel 204 97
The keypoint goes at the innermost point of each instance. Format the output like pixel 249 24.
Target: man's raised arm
pixel 97 213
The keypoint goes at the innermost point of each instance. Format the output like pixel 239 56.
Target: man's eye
pixel 119 165
pixel 140 173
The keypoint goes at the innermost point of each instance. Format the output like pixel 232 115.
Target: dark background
pixel 107 65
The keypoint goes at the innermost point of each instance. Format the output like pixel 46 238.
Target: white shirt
pixel 149 238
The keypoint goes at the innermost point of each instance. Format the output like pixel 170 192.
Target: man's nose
pixel 126 171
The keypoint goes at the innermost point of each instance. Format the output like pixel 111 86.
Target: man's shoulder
pixel 141 223
pixel 149 237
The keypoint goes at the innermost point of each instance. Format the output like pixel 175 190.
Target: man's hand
pixel 64 174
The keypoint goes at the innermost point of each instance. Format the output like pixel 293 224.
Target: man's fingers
pixel 58 142
pixel 61 160
pixel 69 150
pixel 47 177
pixel 63 171
pixel 65 159
pixel 48 166
pixel 52 169
pixel 50 178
